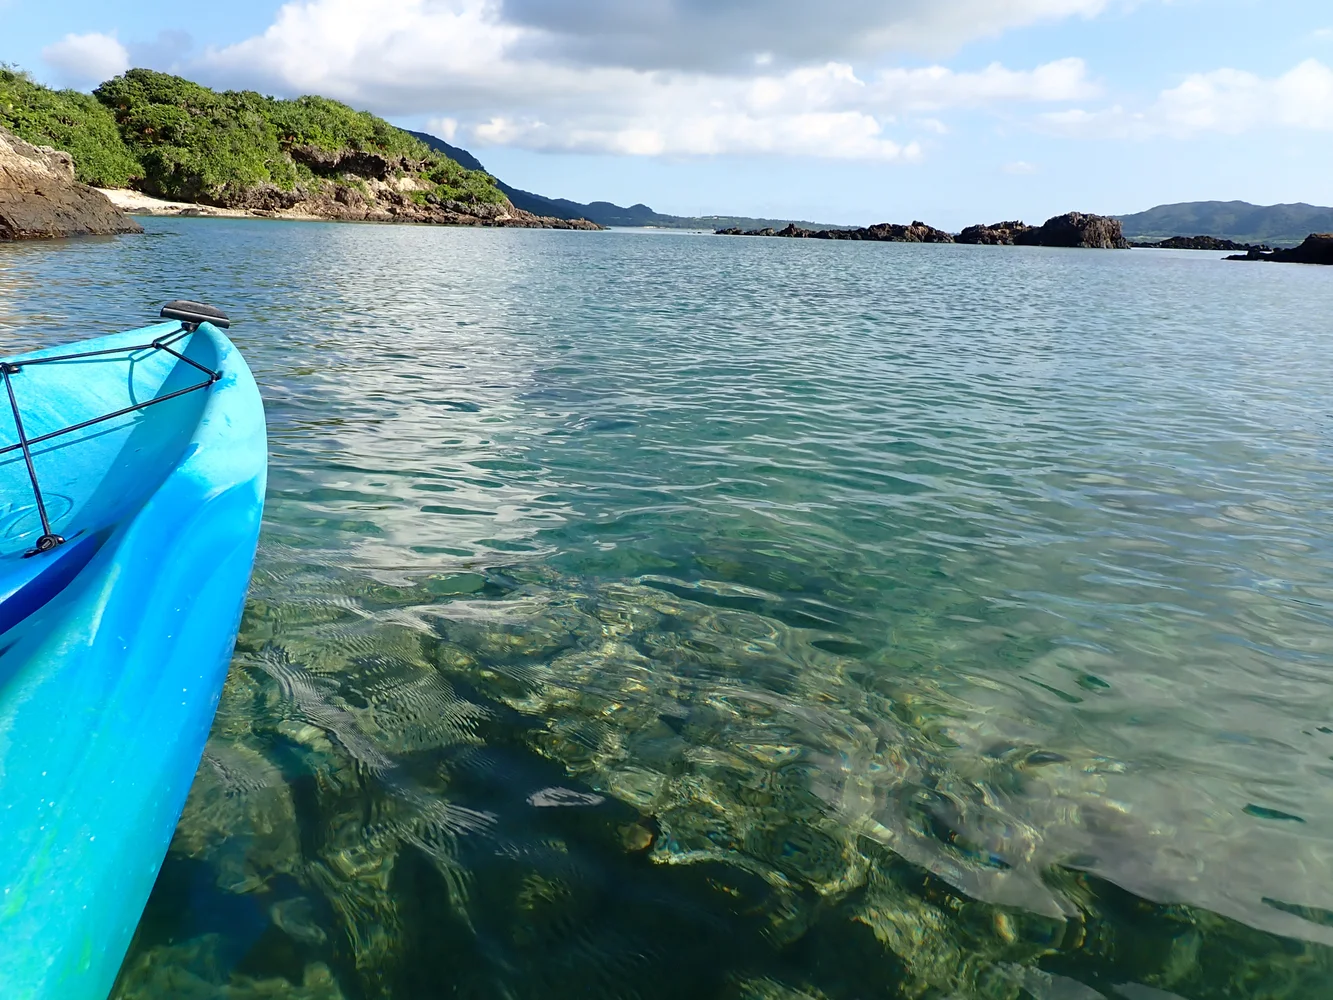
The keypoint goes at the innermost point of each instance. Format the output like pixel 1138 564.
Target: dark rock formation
pixel 39 198
pixel 884 232
pixel 1072 230
pixel 1197 243
pixel 331 163
pixel 1094 232
pixel 1002 234
pixel 358 199
pixel 917 232
pixel 1317 249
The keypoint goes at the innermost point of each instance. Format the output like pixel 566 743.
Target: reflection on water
pixel 659 616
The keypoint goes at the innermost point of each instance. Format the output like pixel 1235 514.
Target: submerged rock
pixel 39 198
pixel 672 740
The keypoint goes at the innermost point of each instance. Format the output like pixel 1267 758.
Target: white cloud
pixel 1224 101
pixel 1105 123
pixel 728 35
pixel 937 87
pixel 501 82
pixel 1020 168
pixel 837 135
pixel 444 128
pixel 82 60
pixel 1229 100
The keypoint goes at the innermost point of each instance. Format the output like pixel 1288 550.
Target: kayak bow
pixel 128 524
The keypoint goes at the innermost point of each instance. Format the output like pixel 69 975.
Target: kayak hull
pixel 115 646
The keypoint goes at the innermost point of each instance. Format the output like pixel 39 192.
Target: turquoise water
pixel 659 615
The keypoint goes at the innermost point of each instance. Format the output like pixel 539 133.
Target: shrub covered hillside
pixel 68 120
pixel 175 139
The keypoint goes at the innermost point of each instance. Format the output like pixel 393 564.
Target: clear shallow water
pixel 653 615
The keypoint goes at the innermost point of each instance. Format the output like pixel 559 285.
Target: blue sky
pixel 951 111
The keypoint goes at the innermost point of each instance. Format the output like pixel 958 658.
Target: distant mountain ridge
pixel 1276 225
pixel 604 213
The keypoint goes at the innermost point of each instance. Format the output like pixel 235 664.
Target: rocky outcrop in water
pixel 1198 243
pixel 1001 234
pixel 1072 230
pixel 1317 249
pixel 39 198
pixel 884 232
pixel 1075 229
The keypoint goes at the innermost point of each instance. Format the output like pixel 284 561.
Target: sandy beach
pixel 137 203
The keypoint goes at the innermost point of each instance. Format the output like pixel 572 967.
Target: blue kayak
pixel 132 473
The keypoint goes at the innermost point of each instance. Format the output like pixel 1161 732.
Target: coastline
pixel 133 202
pixel 136 203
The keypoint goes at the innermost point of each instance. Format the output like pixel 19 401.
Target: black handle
pixel 193 313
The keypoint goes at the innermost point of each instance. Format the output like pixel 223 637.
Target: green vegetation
pixel 68 120
pixel 194 143
pixel 455 183
pixel 326 124
pixel 176 139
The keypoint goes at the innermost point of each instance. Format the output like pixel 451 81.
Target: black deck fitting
pixel 191 314
pixel 46 543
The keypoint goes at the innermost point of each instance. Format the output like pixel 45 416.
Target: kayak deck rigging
pixel 190 314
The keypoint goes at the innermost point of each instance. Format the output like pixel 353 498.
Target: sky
pixel 841 111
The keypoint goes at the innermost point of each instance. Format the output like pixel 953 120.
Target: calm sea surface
pixel 652 615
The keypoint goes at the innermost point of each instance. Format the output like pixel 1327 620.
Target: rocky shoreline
pixel 40 199
pixel 357 186
pixel 356 207
pixel 1074 229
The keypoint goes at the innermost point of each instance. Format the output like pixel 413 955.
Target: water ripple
pixel 648 615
